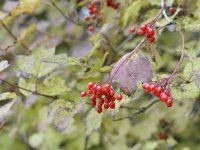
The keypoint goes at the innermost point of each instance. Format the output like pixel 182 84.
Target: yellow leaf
pixel 27 32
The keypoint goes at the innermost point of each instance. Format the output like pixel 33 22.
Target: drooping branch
pixel 33 92
pixel 140 110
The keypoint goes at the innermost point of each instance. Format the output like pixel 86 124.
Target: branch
pixel 33 92
pixel 13 36
pixel 140 110
pixel 63 14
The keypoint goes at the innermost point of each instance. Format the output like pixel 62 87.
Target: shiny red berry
pixel 159 90
pixel 169 102
pixel 164 97
pixel 152 87
pixel 91 28
pixel 99 110
pixel 140 32
pixel 93 103
pixel 119 97
pixel 143 27
pixel 151 39
pixel 87 18
pixel 95 11
pixel 172 10
pixel 106 105
pixel 132 30
pixel 112 105
pixel 151 32
pixel 90 85
pixel 92 98
pixel 83 94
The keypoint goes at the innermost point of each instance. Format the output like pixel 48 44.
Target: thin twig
pixel 140 110
pixel 33 92
pixel 13 36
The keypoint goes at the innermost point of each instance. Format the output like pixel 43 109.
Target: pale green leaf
pixel 7 95
pixel 36 139
pixel 93 121
pixel 3 65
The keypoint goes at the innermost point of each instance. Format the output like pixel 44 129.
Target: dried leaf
pixel 133 69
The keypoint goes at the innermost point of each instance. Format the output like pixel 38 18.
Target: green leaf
pixel 27 32
pixel 194 65
pixel 52 86
pixel 3 65
pixel 93 121
pixel 28 84
pixel 7 95
pixel 35 64
pixel 132 12
pixel 185 92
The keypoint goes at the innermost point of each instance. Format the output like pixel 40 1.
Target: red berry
pixel 151 39
pixel 152 87
pixel 93 103
pixel 107 101
pixel 132 30
pixel 151 32
pixel 112 105
pixel 148 91
pixel 164 97
pixel 101 101
pixel 143 85
pixel 95 11
pixel 163 136
pixel 99 110
pixel 172 10
pixel 106 105
pixel 169 102
pixel 91 12
pixel 159 90
pixel 147 86
pixel 140 32
pixel 92 98
pixel 91 28
pixel 99 88
pixel 119 97
pixel 107 86
pixel 90 91
pixel 93 3
pixel 112 93
pixel 143 27
pixel 83 94
pixel 113 99
pixel 147 36
pixel 90 85
pixel 90 7
pixel 87 18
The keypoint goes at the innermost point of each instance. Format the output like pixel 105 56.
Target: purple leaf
pixel 129 70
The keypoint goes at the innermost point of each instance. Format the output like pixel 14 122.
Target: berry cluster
pixel 159 91
pixel 112 4
pixel 147 30
pixel 101 96
pixel 93 12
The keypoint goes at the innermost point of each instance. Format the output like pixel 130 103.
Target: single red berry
pixel 99 88
pixel 164 97
pixel 90 91
pixel 140 32
pixel 106 105
pixel 90 7
pixel 92 98
pixel 101 101
pixel 91 12
pixel 132 30
pixel 90 85
pixel 107 86
pixel 91 28
pixel 159 90
pixel 93 3
pixel 119 97
pixel 112 105
pixel 93 103
pixel 87 18
pixel 151 32
pixel 99 110
pixel 147 86
pixel 107 101
pixel 99 105
pixel 172 10
pixel 112 99
pixel 148 91
pixel 152 87
pixel 143 27
pixel 83 94
pixel 95 11
pixel 152 39
pixel 147 36
pixel 169 102
pixel 143 85
pixel 163 136
pixel 112 93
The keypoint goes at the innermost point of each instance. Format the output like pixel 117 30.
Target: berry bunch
pixel 93 12
pixel 147 30
pixel 112 4
pixel 159 91
pixel 101 96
